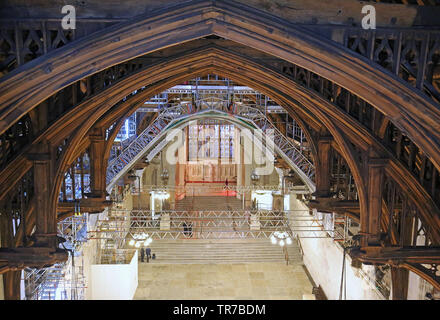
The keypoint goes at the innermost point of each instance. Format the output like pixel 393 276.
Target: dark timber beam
pixel 302 11
pixel 46 228
pixel 335 205
pixel 399 283
pixel 23 88
pixel 323 167
pixel 97 166
pixel 357 135
pixel 90 205
pixel 371 223
pixel 11 285
pixel 400 275
pixel 396 256
pixel 44 251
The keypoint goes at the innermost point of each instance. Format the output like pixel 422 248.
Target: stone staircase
pixel 203 251
pixel 209 203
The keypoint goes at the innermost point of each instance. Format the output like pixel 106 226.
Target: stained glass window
pixel 209 137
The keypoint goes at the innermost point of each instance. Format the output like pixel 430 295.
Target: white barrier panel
pixel 115 281
pixel 323 259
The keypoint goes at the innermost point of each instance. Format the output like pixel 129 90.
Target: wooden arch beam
pixel 280 89
pixel 222 63
pixel 356 133
pixel 204 61
pixel 423 273
pixel 405 179
pixel 410 110
pixel 121 113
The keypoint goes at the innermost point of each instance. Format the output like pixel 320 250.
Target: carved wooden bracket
pixel 396 256
pixel 33 257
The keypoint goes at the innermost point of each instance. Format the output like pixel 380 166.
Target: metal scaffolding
pixel 152 139
pixel 122 225
pixel 62 281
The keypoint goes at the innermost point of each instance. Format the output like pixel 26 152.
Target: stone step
pixel 225 246
pixel 166 259
pixel 226 261
pixel 218 253
pixel 213 241
pixel 222 256
pixel 222 251
pixel 193 242
pixel 206 255
pixel 201 248
pixel 228 249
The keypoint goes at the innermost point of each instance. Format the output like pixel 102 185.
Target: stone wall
pixel 323 259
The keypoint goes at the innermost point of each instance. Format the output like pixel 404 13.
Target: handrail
pixel 151 135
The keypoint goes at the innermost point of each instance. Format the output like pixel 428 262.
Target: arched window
pixel 210 139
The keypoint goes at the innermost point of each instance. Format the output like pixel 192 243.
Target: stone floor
pixel 265 281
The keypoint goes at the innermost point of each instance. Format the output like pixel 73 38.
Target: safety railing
pixel 149 139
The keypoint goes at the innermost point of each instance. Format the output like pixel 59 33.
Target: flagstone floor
pixel 264 281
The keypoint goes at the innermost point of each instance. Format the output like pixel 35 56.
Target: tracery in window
pixel 210 139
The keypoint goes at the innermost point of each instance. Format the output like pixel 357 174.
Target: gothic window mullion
pixel 434 183
pixel 422 169
pixel 72 175
pixel 422 61
pixel 347 101
pixel 412 155
pixel 63 188
pixel 81 163
pixel 18 44
pixel 397 53
pixel 391 208
pixel 403 226
pixel 414 230
pixel 338 170
pixel 399 146
pixel 22 211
